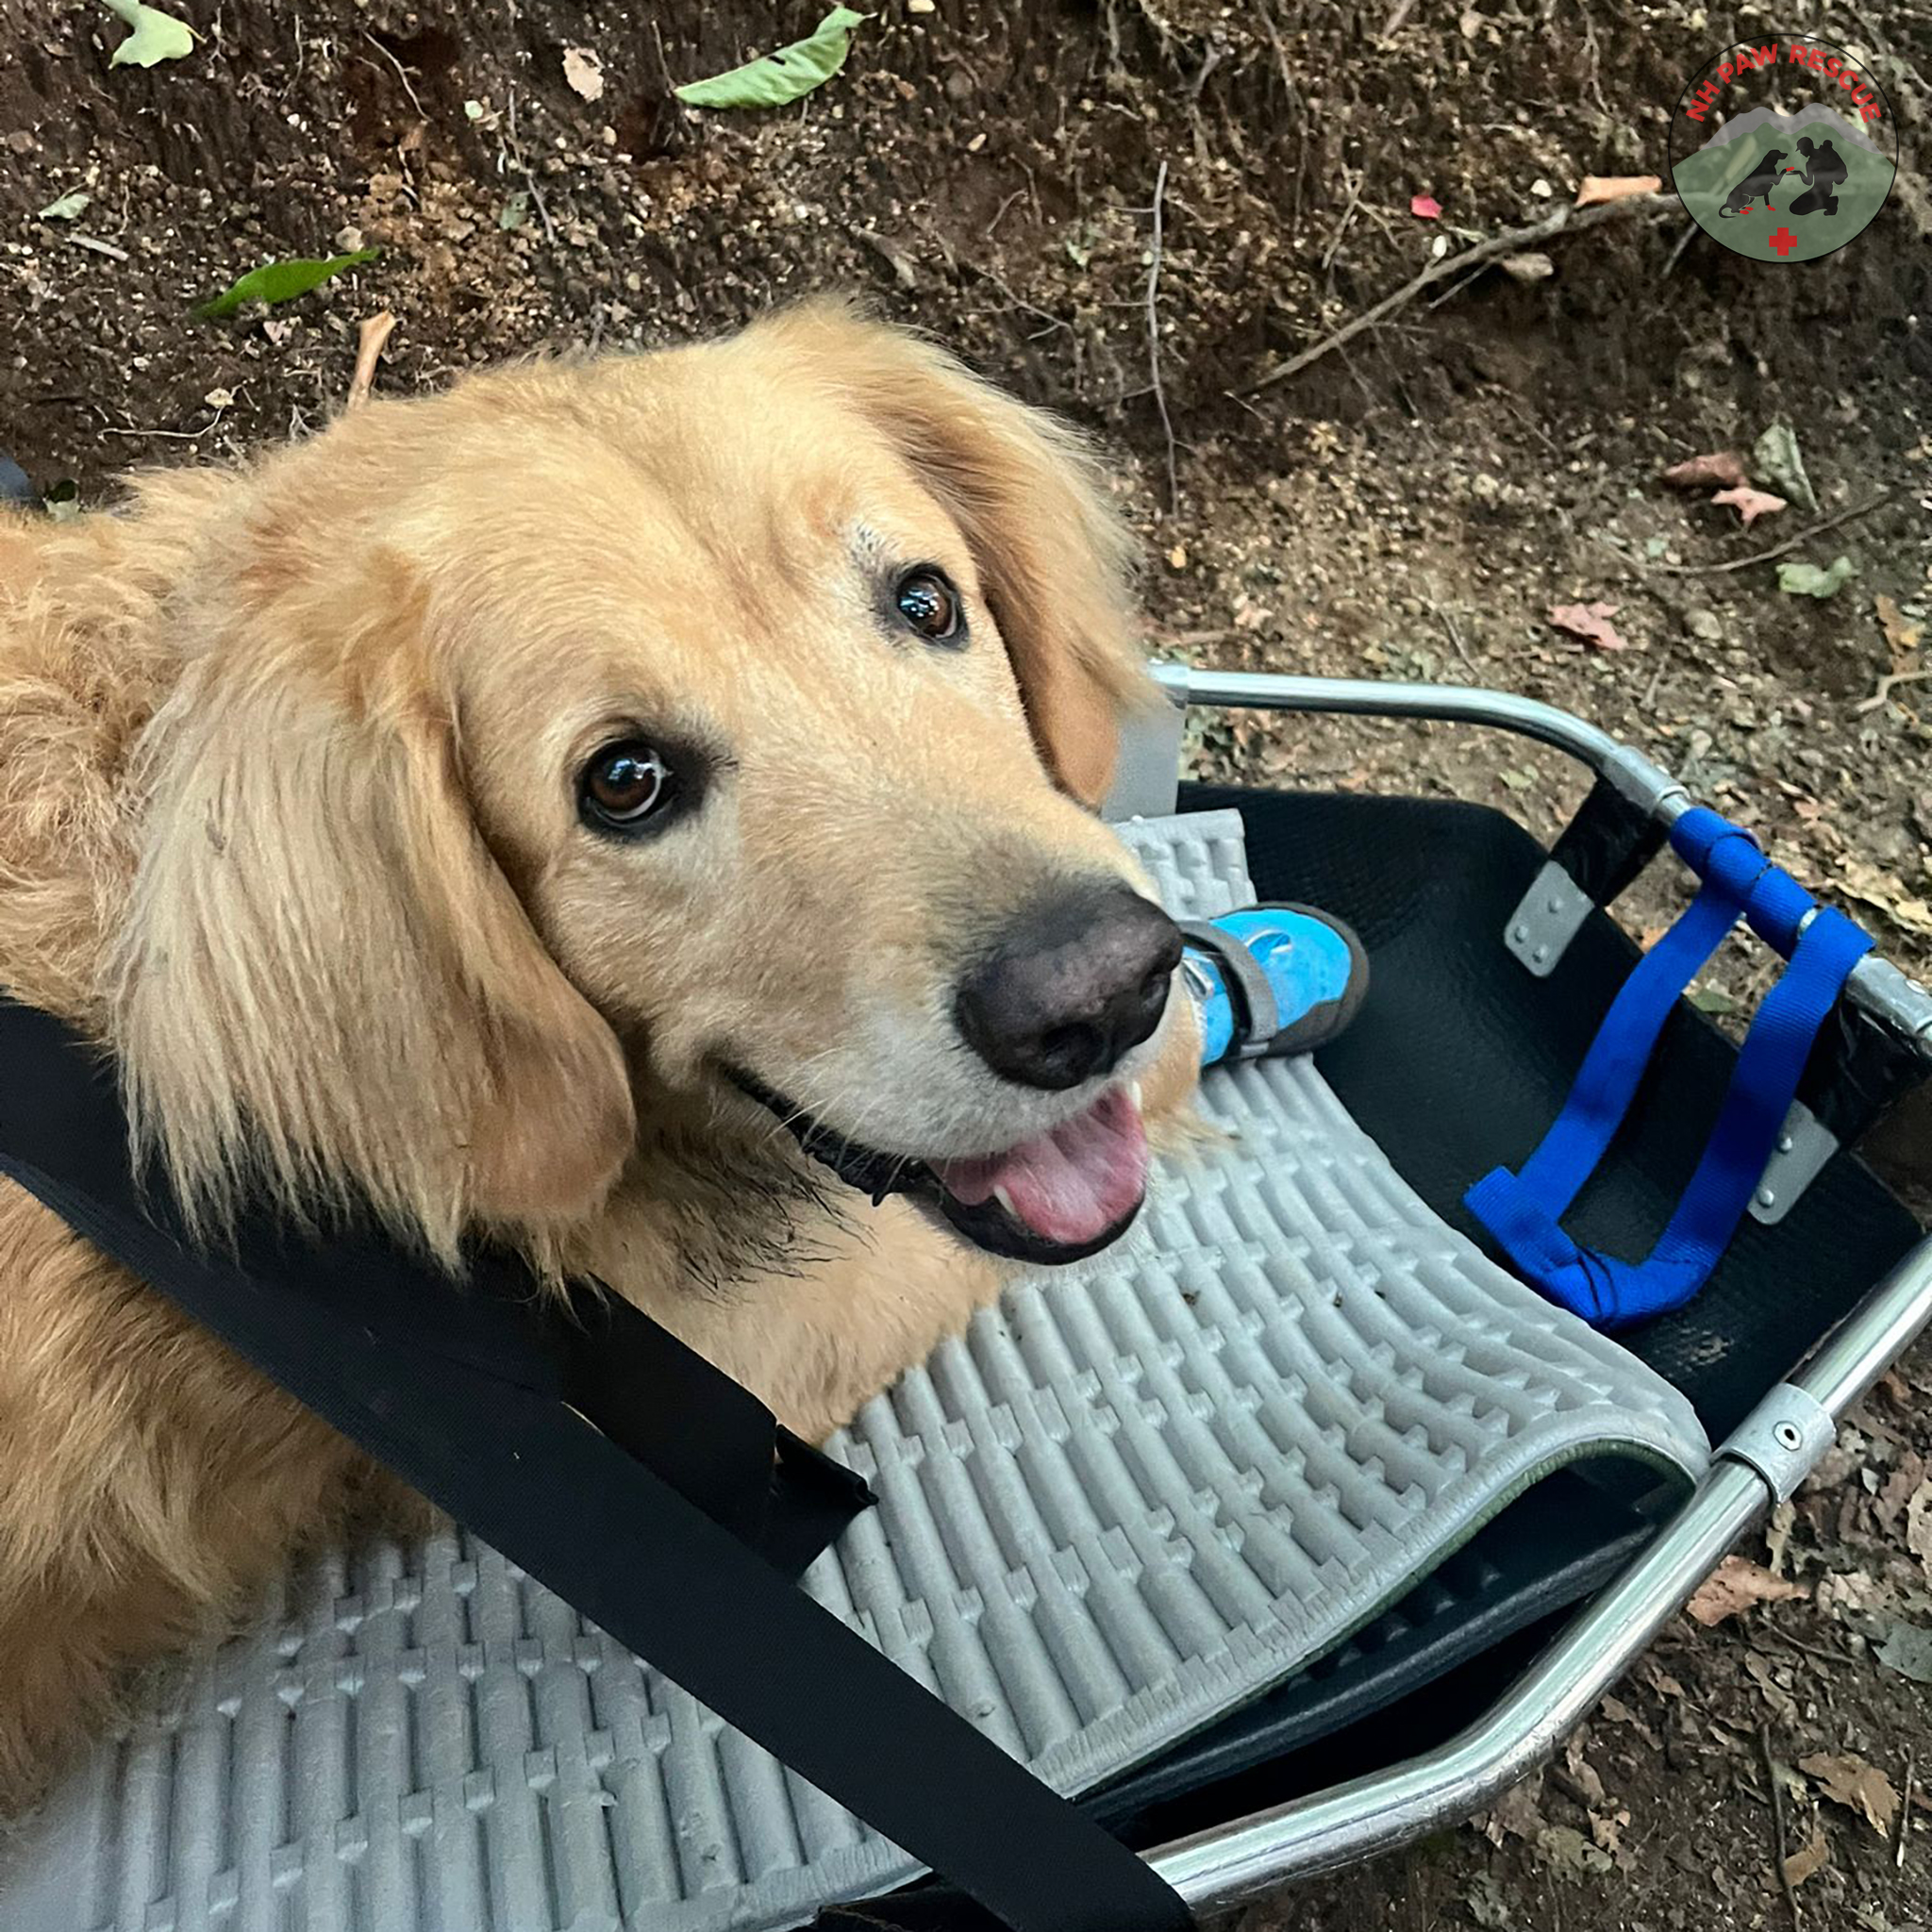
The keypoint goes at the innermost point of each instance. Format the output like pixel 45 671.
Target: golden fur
pixel 287 819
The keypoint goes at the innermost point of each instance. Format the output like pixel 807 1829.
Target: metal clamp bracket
pixel 1551 915
pixel 1782 1438
pixel 1804 1147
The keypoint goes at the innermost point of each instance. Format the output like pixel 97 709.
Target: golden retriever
pixel 513 812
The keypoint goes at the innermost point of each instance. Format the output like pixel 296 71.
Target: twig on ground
pixel 1777 1824
pixel 1394 21
pixel 1683 242
pixel 1355 195
pixel 1844 516
pixel 1180 639
pixel 1173 488
pixel 516 154
pixel 402 72
pixel 1835 1659
pixel 1564 221
pixel 986 274
pixel 1448 623
pixel 374 334
pixel 1000 213
pixel 1885 685
pixel 1905 1811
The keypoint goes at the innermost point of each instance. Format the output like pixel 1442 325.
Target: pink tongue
pixel 1069 1186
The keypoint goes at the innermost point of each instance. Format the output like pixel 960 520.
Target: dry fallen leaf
pixel 1723 469
pixel 1919 1525
pixel 1859 1787
pixel 1533 266
pixel 1900 636
pixel 1751 504
pixel 372 333
pixel 1659 1679
pixel 1591 623
pixel 1808 1862
pixel 1516 1814
pixel 584 72
pixel 1735 1585
pixel 1873 885
pixel 1617 1712
pixel 1596 189
pixel 1763 1672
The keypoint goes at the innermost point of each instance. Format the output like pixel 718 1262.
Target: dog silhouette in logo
pixel 1756 185
pixel 1824 169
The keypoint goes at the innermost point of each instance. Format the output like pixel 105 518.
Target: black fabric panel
pixel 1858 1070
pixel 1459 1060
pixel 1550 1549
pixel 1609 842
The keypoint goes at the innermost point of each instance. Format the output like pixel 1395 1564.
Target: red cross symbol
pixel 1784 242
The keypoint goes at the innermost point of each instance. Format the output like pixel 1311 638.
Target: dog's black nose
pixel 1072 985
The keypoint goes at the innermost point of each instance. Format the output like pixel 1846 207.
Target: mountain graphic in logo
pixel 1784 150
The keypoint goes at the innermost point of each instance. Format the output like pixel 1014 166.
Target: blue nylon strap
pixel 1607 1081
pixel 1522 1211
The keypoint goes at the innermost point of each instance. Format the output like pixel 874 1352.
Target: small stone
pixel 1177 557
pixel 220 399
pixel 922 6
pixel 1704 624
pixel 1541 188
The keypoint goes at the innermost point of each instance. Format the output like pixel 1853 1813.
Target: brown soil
pixel 1412 505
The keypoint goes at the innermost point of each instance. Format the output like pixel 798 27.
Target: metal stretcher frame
pixel 1761 1463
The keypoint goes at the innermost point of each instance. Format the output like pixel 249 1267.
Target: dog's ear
pixel 324 983
pixel 1051 552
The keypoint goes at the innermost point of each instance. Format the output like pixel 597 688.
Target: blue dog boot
pixel 1272 979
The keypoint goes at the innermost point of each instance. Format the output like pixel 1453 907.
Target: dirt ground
pixel 1414 503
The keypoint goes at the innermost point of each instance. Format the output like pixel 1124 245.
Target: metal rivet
pixel 1541 954
pixel 1784 1143
pixel 1520 934
pixel 1788 1436
pixel 1555 906
pixel 1767 1197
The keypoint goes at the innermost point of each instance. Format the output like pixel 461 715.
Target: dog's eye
pixel 624 785
pixel 929 605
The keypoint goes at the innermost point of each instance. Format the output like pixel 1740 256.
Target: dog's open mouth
pixel 1056 1198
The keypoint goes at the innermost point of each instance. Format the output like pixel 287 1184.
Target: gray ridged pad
pixel 1133 1497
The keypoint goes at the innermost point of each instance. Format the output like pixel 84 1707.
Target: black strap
pixel 609 1461
pixel 1608 843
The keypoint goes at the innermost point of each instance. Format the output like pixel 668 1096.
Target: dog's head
pixel 711 728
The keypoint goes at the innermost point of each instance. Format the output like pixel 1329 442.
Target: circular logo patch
pixel 1783 149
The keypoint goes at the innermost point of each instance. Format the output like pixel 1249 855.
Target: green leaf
pixel 515 211
pixel 70 207
pixel 280 281
pixel 1713 1000
pixel 1775 459
pixel 156 36
pixel 1908 1650
pixel 785 75
pixel 1807 580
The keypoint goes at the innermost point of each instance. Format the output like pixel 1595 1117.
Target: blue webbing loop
pixel 1607 1083
pixel 1522 1211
